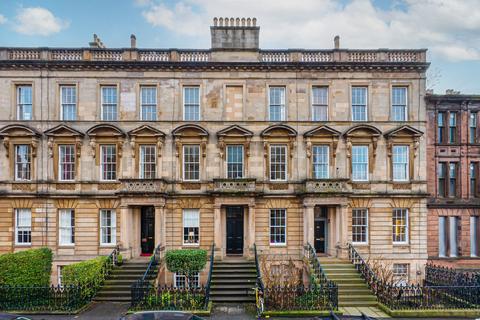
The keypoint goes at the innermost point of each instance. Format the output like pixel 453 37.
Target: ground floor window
pixel 400 273
pixel 108 227
pixel 181 282
pixel 23 226
pixel 191 226
pixel 400 226
pixel 448 232
pixel 59 275
pixel 474 236
pixel 278 226
pixel 360 225
pixel 66 228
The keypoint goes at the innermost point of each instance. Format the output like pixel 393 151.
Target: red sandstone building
pixel 453 154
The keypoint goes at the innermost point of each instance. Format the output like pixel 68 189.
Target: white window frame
pixel 366 103
pixel 285 147
pixel 191 212
pixel 282 105
pixel 313 105
pixel 59 276
pixel 112 227
pixel 270 226
pixel 148 105
pixel 64 103
pixel 367 225
pixel 142 163
pixel 184 162
pixel 396 105
pixel 406 164
pixel 23 228
pixel 199 103
pixel 194 274
pixel 29 153
pixel 102 103
pixel 406 225
pixel 227 162
pixel 60 163
pixel 102 163
pixel 367 163
pixel 20 115
pixel 327 147
pixel 397 276
pixel 474 237
pixel 70 229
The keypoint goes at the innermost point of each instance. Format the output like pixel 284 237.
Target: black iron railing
pixel 366 272
pixel 143 286
pixel 444 276
pixel 172 298
pixel 259 281
pixel 210 270
pixel 288 298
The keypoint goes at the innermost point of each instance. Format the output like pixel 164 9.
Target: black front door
pixel 320 236
pixel 148 229
pixel 234 230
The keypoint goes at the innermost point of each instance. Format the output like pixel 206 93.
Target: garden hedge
pixel 29 267
pixel 186 260
pixel 88 273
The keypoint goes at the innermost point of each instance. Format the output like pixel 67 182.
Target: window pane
pixel 191 162
pixel 400 163
pixel 359 104
pixel 108 162
pixel 452 187
pixel 400 274
pixel 278 229
pixel 147 161
pixel 400 225
pixel 234 161
pixel 68 103
pixel 277 104
pixel 320 103
pixel 24 102
pixel 191 108
pixel 148 103
pixel 278 162
pixel 66 162
pixel 191 226
pixel 108 226
pixel 359 163
pixel 22 162
pixel 109 103
pixel 181 280
pixel 67 227
pixel 320 162
pixel 359 225
pixel 23 227
pixel 399 103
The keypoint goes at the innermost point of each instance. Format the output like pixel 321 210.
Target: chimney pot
pixel 133 41
pixel 336 41
pixel 235 34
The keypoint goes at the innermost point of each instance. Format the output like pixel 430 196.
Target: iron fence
pixel 170 298
pixel 210 270
pixel 298 298
pixel 143 286
pixel 443 276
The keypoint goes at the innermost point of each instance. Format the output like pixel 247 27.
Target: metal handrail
pixel 153 262
pixel 312 256
pixel 142 286
pixel 207 289
pixel 367 273
pixel 257 266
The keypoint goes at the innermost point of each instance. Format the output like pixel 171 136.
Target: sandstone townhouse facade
pixel 232 146
pixel 453 162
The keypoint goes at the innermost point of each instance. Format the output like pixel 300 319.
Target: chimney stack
pixel 336 42
pixel 133 41
pixel 235 34
pixel 96 43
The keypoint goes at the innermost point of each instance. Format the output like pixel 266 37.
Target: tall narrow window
pixel 400 225
pixel 473 127
pixel 66 162
pixel 359 225
pixel 278 226
pixel 68 100
pixel 400 274
pixel 148 161
pixel 360 163
pixel 452 125
pixel 24 102
pixel 400 163
pixel 448 236
pixel 441 176
pixel 148 103
pixel 359 104
pixel 277 104
pixel 109 103
pixel 278 163
pixel 473 173
pixel 441 127
pixel 320 103
pixel 399 103
pixel 108 162
pixel 191 103
pixel 66 230
pixel 234 161
pixel 191 162
pixel 23 226
pixel 452 182
pixel 320 162
pixel 474 236
pixel 23 162
pixel 108 227
pixel 191 226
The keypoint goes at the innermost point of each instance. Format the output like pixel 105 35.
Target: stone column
pixel 217 230
pixel 308 224
pixel 251 229
pixel 125 231
pixel 160 225
pixel 343 253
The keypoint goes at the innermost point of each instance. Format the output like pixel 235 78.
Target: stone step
pixel 333 261
pixel 234 267
pixel 223 281
pixel 246 299
pixel 355 291
pixel 114 293
pixel 357 297
pixel 111 281
pixel 237 275
pixel 245 292
pixel 234 286
pixel 348 281
pixel 357 304
pixel 230 271
pixel 113 299
pixel 338 267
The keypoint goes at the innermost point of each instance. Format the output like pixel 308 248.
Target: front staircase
pixel 233 281
pixel 352 289
pixel 117 286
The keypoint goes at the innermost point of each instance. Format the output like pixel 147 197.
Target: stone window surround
pixel 368 138
pixel 13 112
pixel 322 135
pixel 145 135
pixel 234 135
pixel 138 95
pixel 106 83
pixel 409 97
pixel 284 135
pixel 58 98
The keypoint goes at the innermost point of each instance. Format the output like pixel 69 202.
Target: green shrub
pixel 186 260
pixel 89 274
pixel 29 267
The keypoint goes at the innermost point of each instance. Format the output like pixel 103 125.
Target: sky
pixel 449 29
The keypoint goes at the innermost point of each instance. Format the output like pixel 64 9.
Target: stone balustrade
pixel 234 185
pixel 174 55
pixel 327 186
pixel 143 185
